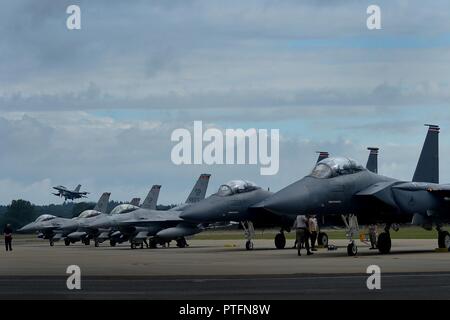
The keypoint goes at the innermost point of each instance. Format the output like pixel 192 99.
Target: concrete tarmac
pixel 223 269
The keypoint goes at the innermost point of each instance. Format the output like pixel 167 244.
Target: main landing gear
pixel 443 238
pixel 182 243
pixel 351 223
pixel 249 233
pixel 280 240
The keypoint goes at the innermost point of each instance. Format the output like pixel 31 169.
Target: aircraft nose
pixel 291 200
pixel 193 214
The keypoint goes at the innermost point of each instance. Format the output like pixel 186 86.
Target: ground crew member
pixel 7 232
pixel 313 229
pixel 373 234
pixel 301 227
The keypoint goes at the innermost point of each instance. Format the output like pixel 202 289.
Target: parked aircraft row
pixel 335 187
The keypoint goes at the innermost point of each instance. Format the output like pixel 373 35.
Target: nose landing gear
pixel 249 233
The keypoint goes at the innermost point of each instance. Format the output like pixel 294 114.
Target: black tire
pixel 181 243
pixel 96 243
pixel 67 242
pixel 249 245
pixel 352 249
pixel 280 241
pixel 112 243
pixel 87 242
pixel 133 245
pixel 322 239
pixel 52 243
pixel 152 243
pixel 384 243
pixel 444 240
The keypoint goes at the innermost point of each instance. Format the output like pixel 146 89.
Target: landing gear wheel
pixel 52 243
pixel 96 243
pixel 322 239
pixel 133 245
pixel 352 249
pixel 384 243
pixel 444 239
pixel 67 242
pixel 249 245
pixel 142 246
pixel 87 242
pixel 112 243
pixel 181 243
pixel 280 241
pixel 152 243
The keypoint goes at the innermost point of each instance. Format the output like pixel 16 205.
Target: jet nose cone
pixel 294 199
pixel 192 214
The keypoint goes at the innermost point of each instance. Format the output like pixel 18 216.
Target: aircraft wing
pixel 157 218
pixel 440 190
pixel 380 192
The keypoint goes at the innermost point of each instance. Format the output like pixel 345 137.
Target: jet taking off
pixel 158 225
pixel 70 194
pixel 340 186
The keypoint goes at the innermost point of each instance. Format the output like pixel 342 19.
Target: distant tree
pixel 19 213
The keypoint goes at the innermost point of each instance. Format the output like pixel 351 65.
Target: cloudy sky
pixel 97 106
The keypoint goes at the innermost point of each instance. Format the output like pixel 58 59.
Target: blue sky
pixel 97 106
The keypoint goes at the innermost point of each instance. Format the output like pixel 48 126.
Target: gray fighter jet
pixel 158 225
pixel 70 194
pixel 80 233
pixel 50 227
pixel 102 234
pixel 232 202
pixel 340 186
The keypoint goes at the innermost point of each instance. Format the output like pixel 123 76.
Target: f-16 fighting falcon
pixel 102 234
pixel 50 227
pixel 79 232
pixel 340 186
pixel 158 225
pixel 70 194
pixel 55 228
pixel 234 200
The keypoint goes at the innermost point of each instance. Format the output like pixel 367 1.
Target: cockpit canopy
pixel 333 167
pixel 89 214
pixel 45 217
pixel 236 186
pixel 124 208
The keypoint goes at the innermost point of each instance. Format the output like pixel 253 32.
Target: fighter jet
pixel 158 225
pixel 70 194
pixel 232 202
pixel 79 233
pixel 102 234
pixel 340 186
pixel 50 227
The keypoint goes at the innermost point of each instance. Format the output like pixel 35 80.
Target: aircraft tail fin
pixel 372 161
pixel 102 204
pixel 427 169
pixel 135 202
pixel 77 189
pixel 322 155
pixel 199 191
pixel 152 198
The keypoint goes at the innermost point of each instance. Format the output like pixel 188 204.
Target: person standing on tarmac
pixel 313 228
pixel 7 232
pixel 373 234
pixel 301 227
